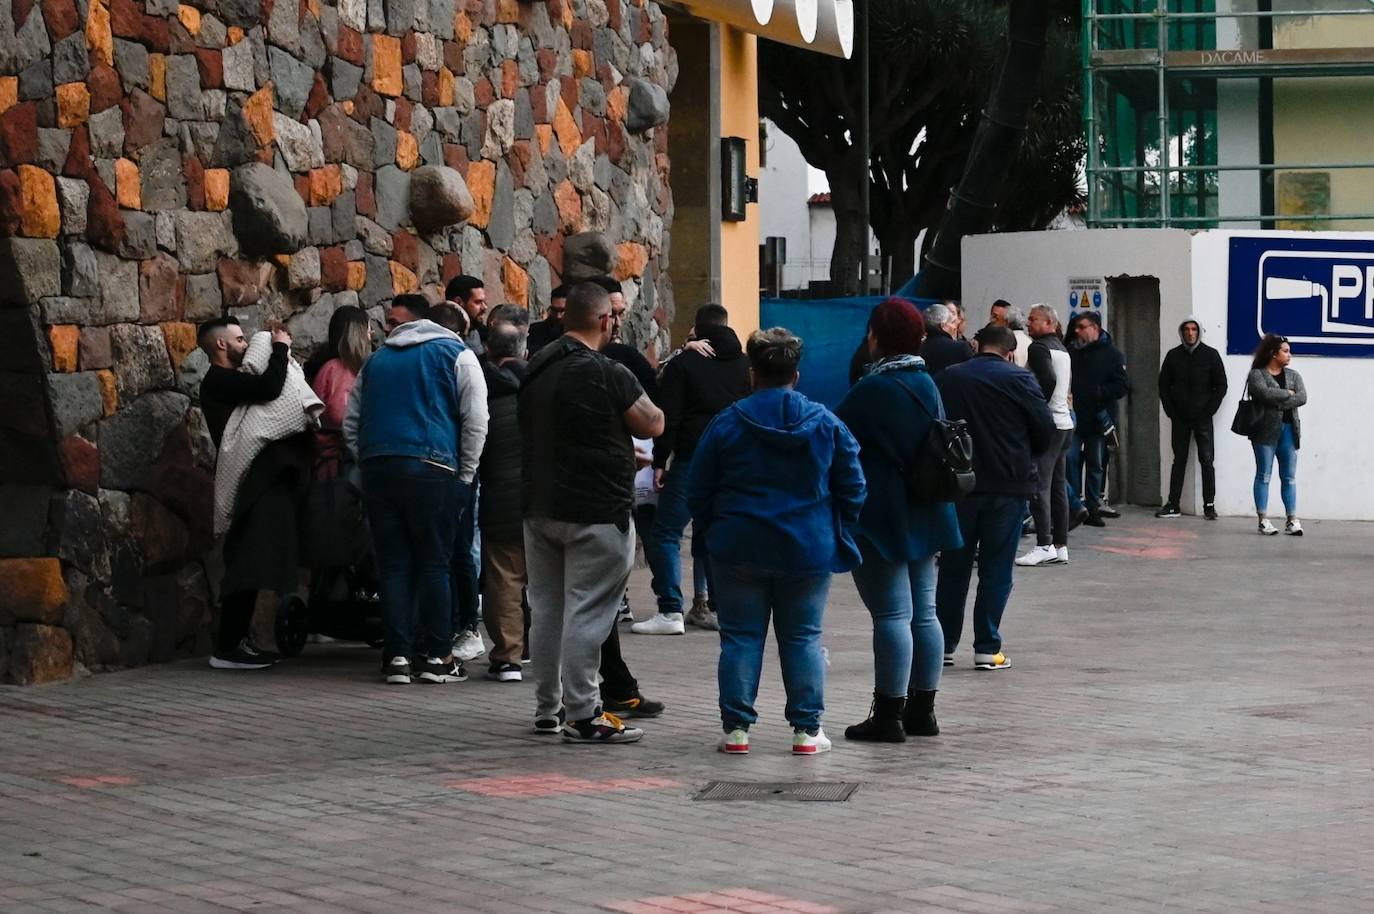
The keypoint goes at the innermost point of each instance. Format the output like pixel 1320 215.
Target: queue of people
pixel 500 458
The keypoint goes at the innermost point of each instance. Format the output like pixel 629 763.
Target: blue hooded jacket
pixel 776 486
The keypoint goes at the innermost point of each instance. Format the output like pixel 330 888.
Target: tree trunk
pixel 847 255
pixel 900 244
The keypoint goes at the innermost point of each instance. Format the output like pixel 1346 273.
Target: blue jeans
pixel 745 598
pixel 464 575
pixel 663 542
pixel 413 508
pixel 1287 454
pixel 907 640
pixel 991 525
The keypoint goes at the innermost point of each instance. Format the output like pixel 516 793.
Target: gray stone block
pixel 291 80
pixel 501 227
pixel 52 148
pixel 400 16
pixel 80 270
pixel 140 236
pixel 384 142
pixel 238 67
pixel 29 270
pixel 73 197
pixel 132 438
pixel 203 298
pixel 344 213
pixel 375 239
pixel 118 300
pixel 268 215
pixel 131 60
pixel 201 240
pixel 35 82
pixel 313 52
pixel 183 87
pixel 344 78
pixel 141 362
pixel 75 401
pixel 320 228
pixel 283 27
pixel 391 187
pixel 378 287
pixel 106 133
pixel 648 106
pixel 70 59
pixel 439 197
pixel 164 182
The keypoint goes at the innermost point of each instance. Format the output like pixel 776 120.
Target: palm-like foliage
pixel 933 62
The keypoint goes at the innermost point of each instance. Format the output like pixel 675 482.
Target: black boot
pixel 884 724
pixel 919 717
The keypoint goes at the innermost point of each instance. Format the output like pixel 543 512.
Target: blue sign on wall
pixel 1317 292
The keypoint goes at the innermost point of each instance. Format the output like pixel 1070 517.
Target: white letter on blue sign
pixel 1346 280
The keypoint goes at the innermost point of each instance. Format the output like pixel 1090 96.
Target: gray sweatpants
pixel 577 573
pixel 1050 504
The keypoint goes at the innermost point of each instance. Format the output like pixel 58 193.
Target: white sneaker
pixel 1293 527
pixel 736 742
pixel 804 743
pixel 949 660
pixel 1266 528
pixel 1061 555
pixel 468 645
pixel 660 624
pixel 1040 555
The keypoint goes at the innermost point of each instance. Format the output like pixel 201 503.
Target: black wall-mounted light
pixel 736 188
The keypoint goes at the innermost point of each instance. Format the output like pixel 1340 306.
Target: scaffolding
pixel 1161 76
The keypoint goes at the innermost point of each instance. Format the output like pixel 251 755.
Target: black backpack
pixel 942 469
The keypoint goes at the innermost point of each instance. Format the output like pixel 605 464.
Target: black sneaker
pixel 1169 510
pixel 634 706
pixel 450 670
pixel 604 728
pixel 549 726
pixel 1209 512
pixel 1094 519
pixel 242 657
pixel 1078 518
pixel 260 653
pixel 505 672
pixel 397 671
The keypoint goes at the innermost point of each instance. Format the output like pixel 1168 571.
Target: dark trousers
pixel 1182 434
pixel 616 679
pixel 1050 504
pixel 991 527
pixel 463 571
pixel 413 508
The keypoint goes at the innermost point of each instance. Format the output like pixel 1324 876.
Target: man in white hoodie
pixel 416 423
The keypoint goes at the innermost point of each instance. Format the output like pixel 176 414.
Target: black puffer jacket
pixel 694 388
pixel 1192 384
pixel 499 513
pixel 1099 380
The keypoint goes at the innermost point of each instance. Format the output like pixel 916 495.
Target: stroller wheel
pixel 293 626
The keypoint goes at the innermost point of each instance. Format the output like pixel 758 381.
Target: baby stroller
pixel 343 603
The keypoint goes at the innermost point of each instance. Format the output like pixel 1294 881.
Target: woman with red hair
pixel 889 411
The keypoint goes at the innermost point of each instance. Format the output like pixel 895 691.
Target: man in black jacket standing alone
pixel 1192 384
pixel 1099 380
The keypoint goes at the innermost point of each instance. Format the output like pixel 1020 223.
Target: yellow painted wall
pixel 1328 120
pixel 739 116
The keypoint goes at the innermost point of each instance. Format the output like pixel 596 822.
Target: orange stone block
pixel 582 63
pixel 407 150
pixel 181 341
pixel 109 391
pixel 281 260
pixel 235 35
pixel 325 185
pixel 216 189
pixel 157 77
pixel 32 590
pixel 73 104
pixel 63 340
pixel 462 27
pixel 445 86
pixel 128 186
pixel 507 11
pixel 569 137
pixel 189 17
pixel 386 66
pixel 357 275
pixel 402 280
pixel 517 283
pixel 631 259
pixel 39 215
pixel 99 35
pixel 569 207
pixel 544 134
pixel 9 91
pixel 617 103
pixel 482 186
pixel 257 111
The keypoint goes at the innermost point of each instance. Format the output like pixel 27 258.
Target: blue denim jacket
pixel 410 402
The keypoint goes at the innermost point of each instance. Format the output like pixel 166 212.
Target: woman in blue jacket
pixel 775 486
pixel 889 411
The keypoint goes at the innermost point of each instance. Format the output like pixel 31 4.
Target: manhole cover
pixel 806 792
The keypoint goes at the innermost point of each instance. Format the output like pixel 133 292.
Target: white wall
pixel 785 184
pixel 1192 270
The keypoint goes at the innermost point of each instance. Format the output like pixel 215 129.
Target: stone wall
pixel 164 163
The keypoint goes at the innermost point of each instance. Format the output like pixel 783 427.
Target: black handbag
pixel 1249 416
pixel 943 466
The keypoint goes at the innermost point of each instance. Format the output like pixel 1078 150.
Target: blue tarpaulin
pixel 830 330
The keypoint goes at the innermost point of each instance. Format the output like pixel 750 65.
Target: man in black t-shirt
pixel 578 411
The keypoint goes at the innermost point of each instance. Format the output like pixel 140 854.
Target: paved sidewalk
pixel 1188 726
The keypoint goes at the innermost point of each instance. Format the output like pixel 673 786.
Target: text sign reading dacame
pixel 1317 292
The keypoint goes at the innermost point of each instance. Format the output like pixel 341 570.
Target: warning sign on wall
pixel 1085 294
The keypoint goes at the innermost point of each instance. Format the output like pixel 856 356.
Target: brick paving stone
pixel 1188 726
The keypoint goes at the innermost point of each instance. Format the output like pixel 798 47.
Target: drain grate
pixel 801 791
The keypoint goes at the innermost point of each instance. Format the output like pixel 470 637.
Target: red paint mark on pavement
pixel 100 780
pixel 736 901
pixel 547 785
pixel 1156 544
